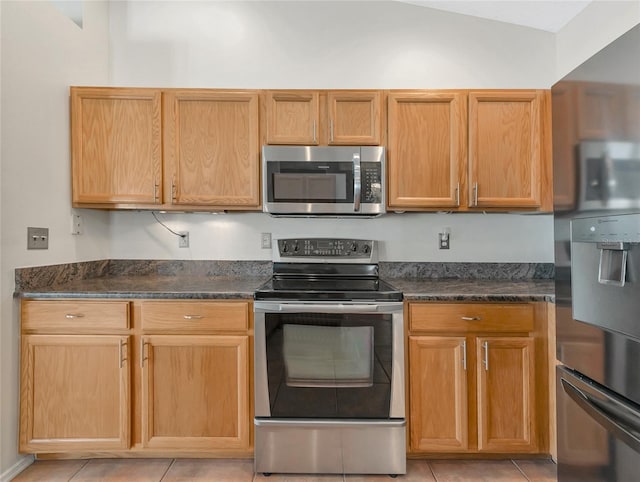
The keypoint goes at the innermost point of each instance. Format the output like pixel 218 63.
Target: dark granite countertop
pixel 152 286
pixel 226 280
pixel 144 279
pixel 474 289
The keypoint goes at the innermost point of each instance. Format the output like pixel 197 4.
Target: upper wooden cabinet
pixel 335 117
pixel 116 146
pixel 210 140
pixel 212 148
pixel 427 149
pixel 467 150
pixel 507 148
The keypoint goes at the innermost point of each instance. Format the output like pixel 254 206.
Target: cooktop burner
pixel 326 269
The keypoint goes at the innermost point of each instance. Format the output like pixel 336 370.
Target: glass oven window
pixel 329 365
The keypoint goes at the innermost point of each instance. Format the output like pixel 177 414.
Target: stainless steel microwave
pixel 323 181
pixel 609 175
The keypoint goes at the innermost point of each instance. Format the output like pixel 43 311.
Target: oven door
pixel 333 361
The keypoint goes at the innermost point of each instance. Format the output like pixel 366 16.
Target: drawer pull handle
pixel 192 317
pixel 71 316
pixel 472 318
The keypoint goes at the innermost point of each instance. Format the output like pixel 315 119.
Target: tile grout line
pixel 431 470
pixel 78 471
pixel 173 461
pixel 521 471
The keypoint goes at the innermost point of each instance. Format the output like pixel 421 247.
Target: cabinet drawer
pixel 471 317
pixel 76 316
pixel 194 316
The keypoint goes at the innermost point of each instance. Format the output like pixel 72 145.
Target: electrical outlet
pixel 444 238
pixel 265 240
pixel 183 240
pixel 76 224
pixel 37 238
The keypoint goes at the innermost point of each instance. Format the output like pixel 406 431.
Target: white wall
pixel 599 24
pixel 43 52
pixel 349 44
pixel 403 237
pixel 327 45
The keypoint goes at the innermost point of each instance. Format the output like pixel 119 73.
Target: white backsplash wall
pixel 403 237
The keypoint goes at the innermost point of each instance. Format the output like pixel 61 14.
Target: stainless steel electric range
pixel 329 362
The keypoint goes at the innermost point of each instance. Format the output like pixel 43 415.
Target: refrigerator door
pixel 605 267
pixel 598 432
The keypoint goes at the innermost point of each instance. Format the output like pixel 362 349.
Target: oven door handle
pixel 328 308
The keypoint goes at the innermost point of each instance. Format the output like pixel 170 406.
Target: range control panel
pixel 325 248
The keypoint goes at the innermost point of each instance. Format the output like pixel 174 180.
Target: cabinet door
pixel 74 393
pixel 293 117
pixel 354 117
pixel 438 394
pixel 212 148
pixel 505 149
pixel 116 146
pixel 195 392
pixel 506 394
pixel 427 149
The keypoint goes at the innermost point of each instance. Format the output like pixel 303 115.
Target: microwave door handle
pixel 357 181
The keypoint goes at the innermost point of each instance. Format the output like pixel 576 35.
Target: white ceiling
pixel 544 15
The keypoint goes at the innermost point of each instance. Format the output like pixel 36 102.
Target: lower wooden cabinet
pixel 438 394
pixel 506 394
pixel 473 386
pixel 195 392
pixel 157 376
pixel 74 393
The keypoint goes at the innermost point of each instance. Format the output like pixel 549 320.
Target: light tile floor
pixel 241 470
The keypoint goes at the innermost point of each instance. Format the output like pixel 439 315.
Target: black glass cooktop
pixel 312 285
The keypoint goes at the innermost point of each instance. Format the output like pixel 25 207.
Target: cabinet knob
pixel 71 316
pixel 472 318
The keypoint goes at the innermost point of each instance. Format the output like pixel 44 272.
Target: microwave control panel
pixel 371 173
pixel 325 247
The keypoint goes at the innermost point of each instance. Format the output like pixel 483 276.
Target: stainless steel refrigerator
pixel 596 149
